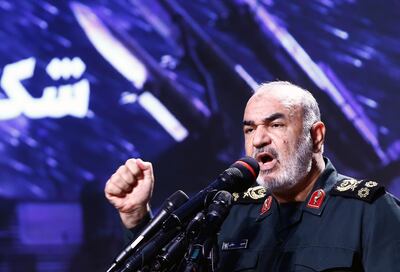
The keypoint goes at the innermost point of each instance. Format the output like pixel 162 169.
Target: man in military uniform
pixel 303 216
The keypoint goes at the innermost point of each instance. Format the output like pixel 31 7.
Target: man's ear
pixel 318 136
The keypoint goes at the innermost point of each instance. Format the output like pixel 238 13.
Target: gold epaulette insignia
pixel 252 195
pixel 366 190
pixel 347 184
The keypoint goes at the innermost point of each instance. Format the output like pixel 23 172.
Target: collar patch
pixel 266 206
pixel 316 199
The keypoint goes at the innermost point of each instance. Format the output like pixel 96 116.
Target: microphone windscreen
pixel 243 172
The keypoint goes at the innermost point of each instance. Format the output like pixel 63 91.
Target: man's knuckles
pixel 118 181
pixel 126 174
pixel 132 166
pixel 111 189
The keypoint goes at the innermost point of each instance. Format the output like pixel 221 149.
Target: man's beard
pixel 296 167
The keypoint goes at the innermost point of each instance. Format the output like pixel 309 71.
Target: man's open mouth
pixel 266 160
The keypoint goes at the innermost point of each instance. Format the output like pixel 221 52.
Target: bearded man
pixel 303 215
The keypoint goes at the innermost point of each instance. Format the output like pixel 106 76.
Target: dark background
pixel 168 81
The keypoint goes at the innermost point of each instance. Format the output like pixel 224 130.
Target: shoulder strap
pixel 366 190
pixel 255 194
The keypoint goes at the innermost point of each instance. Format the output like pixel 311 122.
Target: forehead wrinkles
pixel 267 103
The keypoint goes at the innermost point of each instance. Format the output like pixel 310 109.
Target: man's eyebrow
pixel 248 123
pixel 274 116
pixel 267 119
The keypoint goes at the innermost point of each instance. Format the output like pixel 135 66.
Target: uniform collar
pixel 270 204
pixel 318 197
pixel 321 189
pixel 274 211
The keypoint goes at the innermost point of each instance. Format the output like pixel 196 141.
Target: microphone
pixel 238 177
pixel 199 251
pixel 217 212
pixel 175 250
pixel 169 205
pixel 172 252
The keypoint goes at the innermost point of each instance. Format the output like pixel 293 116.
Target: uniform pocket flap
pixel 322 258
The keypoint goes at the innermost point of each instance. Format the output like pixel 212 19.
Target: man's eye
pixel 248 130
pixel 277 125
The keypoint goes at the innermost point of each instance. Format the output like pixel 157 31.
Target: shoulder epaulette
pixel 366 190
pixel 254 194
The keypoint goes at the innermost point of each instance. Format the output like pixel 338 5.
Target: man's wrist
pixel 134 232
pixel 135 217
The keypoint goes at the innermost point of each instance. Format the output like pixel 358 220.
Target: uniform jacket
pixel 344 225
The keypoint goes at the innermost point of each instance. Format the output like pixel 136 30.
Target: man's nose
pixel 261 137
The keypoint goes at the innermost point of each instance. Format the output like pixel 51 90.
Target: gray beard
pixel 296 168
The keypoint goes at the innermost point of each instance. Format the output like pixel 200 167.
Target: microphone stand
pixel 149 250
pixel 200 256
pixel 202 253
pixel 173 253
pixel 169 240
pixel 169 205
